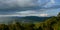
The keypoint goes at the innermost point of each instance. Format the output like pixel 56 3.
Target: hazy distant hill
pixel 31 19
pixel 22 19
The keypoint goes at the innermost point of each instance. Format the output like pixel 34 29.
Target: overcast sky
pixel 29 8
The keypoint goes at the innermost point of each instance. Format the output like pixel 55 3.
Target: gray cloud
pixel 19 4
pixel 6 4
pixel 13 6
pixel 27 3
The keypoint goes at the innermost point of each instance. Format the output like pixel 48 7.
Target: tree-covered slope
pixel 52 23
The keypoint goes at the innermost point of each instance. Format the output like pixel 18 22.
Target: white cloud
pixel 32 13
pixel 50 3
pixel 23 15
pixel 43 15
pixel 26 13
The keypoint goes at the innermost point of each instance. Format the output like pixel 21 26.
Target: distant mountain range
pixel 22 19
pixel 31 19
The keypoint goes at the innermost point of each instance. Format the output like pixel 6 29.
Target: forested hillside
pixel 52 23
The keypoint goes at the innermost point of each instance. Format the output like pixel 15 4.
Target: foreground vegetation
pixel 50 24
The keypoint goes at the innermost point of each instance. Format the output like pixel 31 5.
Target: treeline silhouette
pixel 50 24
